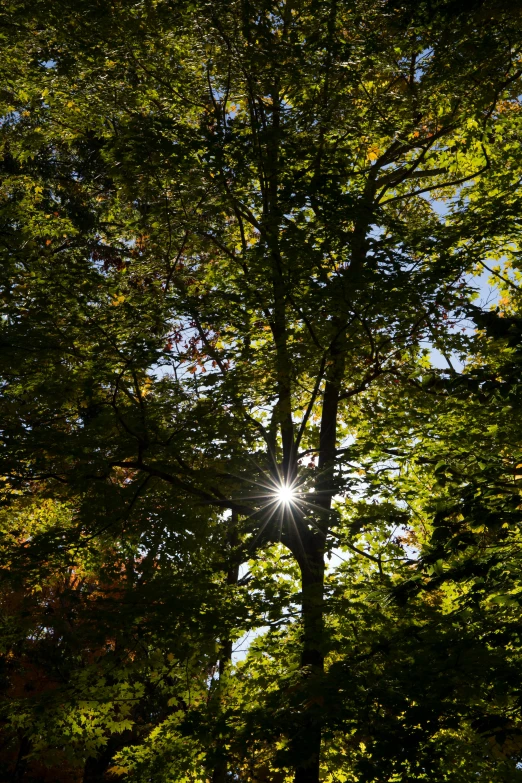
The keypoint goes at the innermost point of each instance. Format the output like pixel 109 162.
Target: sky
pixel 488 298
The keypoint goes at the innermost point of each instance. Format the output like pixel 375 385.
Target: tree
pixel 223 251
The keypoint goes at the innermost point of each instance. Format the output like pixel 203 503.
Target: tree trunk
pixel 21 761
pixel 307 743
pixel 220 770
pixel 308 740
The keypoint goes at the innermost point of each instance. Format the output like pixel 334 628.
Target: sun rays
pixel 285 494
pixel 282 504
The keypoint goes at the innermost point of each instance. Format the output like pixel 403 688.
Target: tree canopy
pixel 248 386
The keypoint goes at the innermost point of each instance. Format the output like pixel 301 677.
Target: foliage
pixel 231 235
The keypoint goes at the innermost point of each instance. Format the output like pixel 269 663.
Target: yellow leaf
pixel 118 770
pixel 146 387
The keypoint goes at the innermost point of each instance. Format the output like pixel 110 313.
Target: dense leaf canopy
pixel 249 386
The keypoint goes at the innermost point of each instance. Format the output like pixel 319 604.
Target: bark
pixel 307 743
pixel 219 775
pixel 21 761
pixel 220 771
pixel 307 542
pixel 271 222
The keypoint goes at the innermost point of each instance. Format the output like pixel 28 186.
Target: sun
pixel 285 494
